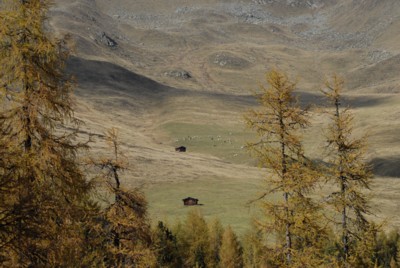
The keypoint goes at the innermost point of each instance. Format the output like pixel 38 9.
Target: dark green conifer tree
pixel 166 245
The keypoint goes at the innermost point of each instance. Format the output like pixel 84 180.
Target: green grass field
pixel 225 142
pixel 228 198
pixel 224 198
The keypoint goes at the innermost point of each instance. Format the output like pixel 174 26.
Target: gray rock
pixel 228 60
pixel 108 41
pixel 178 74
pixel 376 56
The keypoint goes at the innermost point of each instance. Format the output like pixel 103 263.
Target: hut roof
pixel 190 198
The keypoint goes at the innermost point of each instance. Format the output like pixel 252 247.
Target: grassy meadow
pixel 225 142
pixel 228 197
pixel 223 198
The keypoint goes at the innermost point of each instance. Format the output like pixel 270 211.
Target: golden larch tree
pixel 231 252
pixel 44 192
pixel 278 123
pixel 194 241
pixel 350 173
pixel 216 232
pixel 127 228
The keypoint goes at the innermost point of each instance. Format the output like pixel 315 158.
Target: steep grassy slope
pixel 170 73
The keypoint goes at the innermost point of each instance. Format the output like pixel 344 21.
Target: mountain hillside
pixel 178 72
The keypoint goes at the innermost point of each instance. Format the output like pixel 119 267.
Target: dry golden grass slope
pixel 182 71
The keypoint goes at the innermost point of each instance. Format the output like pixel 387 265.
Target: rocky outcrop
pixel 108 41
pixel 229 60
pixel 293 3
pixel 182 74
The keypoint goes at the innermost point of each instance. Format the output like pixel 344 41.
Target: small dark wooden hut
pixel 180 149
pixel 190 201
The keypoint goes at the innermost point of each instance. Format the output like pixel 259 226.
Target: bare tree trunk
pixel 345 232
pixel 117 183
pixel 288 234
pixel 117 241
pixel 286 194
pixel 344 227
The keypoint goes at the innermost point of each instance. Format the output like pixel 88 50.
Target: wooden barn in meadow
pixel 190 201
pixel 180 149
